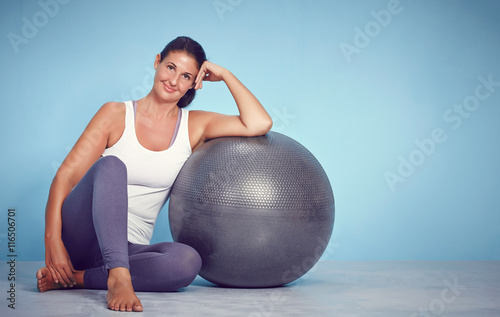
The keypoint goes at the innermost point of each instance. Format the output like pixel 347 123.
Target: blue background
pixel 359 89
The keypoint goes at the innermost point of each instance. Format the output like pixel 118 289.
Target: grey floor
pixel 332 288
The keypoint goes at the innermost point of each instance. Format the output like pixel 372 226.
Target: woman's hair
pixel 192 48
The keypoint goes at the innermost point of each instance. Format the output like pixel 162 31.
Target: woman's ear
pixel 157 60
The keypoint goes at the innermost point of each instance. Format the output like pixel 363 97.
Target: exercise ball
pixel 259 210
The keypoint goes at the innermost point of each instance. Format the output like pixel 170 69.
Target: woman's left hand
pixel 253 119
pixel 209 72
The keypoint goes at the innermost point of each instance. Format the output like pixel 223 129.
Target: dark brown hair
pixel 192 48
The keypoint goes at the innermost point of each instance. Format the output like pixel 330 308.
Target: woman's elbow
pixel 263 127
pixel 268 124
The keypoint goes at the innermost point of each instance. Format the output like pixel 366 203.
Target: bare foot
pixel 121 295
pixel 44 280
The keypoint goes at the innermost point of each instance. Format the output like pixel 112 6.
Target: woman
pixel 106 195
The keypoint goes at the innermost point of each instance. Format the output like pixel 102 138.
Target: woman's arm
pixel 86 152
pixel 253 119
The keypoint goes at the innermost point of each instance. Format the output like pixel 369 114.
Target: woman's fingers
pixel 70 278
pixel 197 80
pixel 65 278
pixel 200 78
pixel 73 271
pixel 65 270
pixel 59 264
pixel 208 72
pixel 62 273
pixel 53 273
pixel 58 276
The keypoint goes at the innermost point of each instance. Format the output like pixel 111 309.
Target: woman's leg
pixel 94 217
pixel 94 231
pixel 95 235
pixel 163 267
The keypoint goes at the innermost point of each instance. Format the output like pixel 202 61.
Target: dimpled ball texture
pixel 259 210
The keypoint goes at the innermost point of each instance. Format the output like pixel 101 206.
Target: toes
pixel 137 307
pixel 116 306
pixel 40 286
pixel 42 282
pixel 42 272
pixel 123 307
pixel 120 307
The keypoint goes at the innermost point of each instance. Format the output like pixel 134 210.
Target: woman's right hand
pixel 59 264
pixel 82 156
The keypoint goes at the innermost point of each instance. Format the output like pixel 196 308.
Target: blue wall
pixel 399 101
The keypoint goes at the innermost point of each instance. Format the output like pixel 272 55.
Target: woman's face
pixel 175 75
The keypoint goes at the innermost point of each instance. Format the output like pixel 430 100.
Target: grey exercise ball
pixel 258 210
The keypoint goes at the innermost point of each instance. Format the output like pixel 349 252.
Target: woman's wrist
pixel 52 236
pixel 226 75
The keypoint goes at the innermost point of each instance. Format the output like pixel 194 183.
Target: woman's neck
pixel 152 106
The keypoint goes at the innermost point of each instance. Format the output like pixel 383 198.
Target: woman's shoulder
pixel 111 119
pixel 198 120
pixel 113 107
pixel 111 115
pixel 112 110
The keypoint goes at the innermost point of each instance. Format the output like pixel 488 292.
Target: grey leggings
pixel 94 232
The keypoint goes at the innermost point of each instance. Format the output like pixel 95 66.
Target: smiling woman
pixel 183 52
pixel 108 192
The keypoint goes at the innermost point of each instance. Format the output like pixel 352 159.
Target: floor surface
pixel 331 288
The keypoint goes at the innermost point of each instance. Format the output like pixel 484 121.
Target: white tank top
pixel 150 174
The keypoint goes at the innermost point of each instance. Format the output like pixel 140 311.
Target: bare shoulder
pixel 110 119
pixel 110 113
pixel 112 109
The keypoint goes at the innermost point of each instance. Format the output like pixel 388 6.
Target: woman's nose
pixel 173 80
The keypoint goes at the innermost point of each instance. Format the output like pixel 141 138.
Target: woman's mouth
pixel 168 89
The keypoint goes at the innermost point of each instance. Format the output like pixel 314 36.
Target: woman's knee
pixel 108 166
pixel 185 264
pixel 191 260
pixel 111 162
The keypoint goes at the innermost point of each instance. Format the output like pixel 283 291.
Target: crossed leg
pixel 94 233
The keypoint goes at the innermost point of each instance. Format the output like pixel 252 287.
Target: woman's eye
pixel 187 77
pixel 170 67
